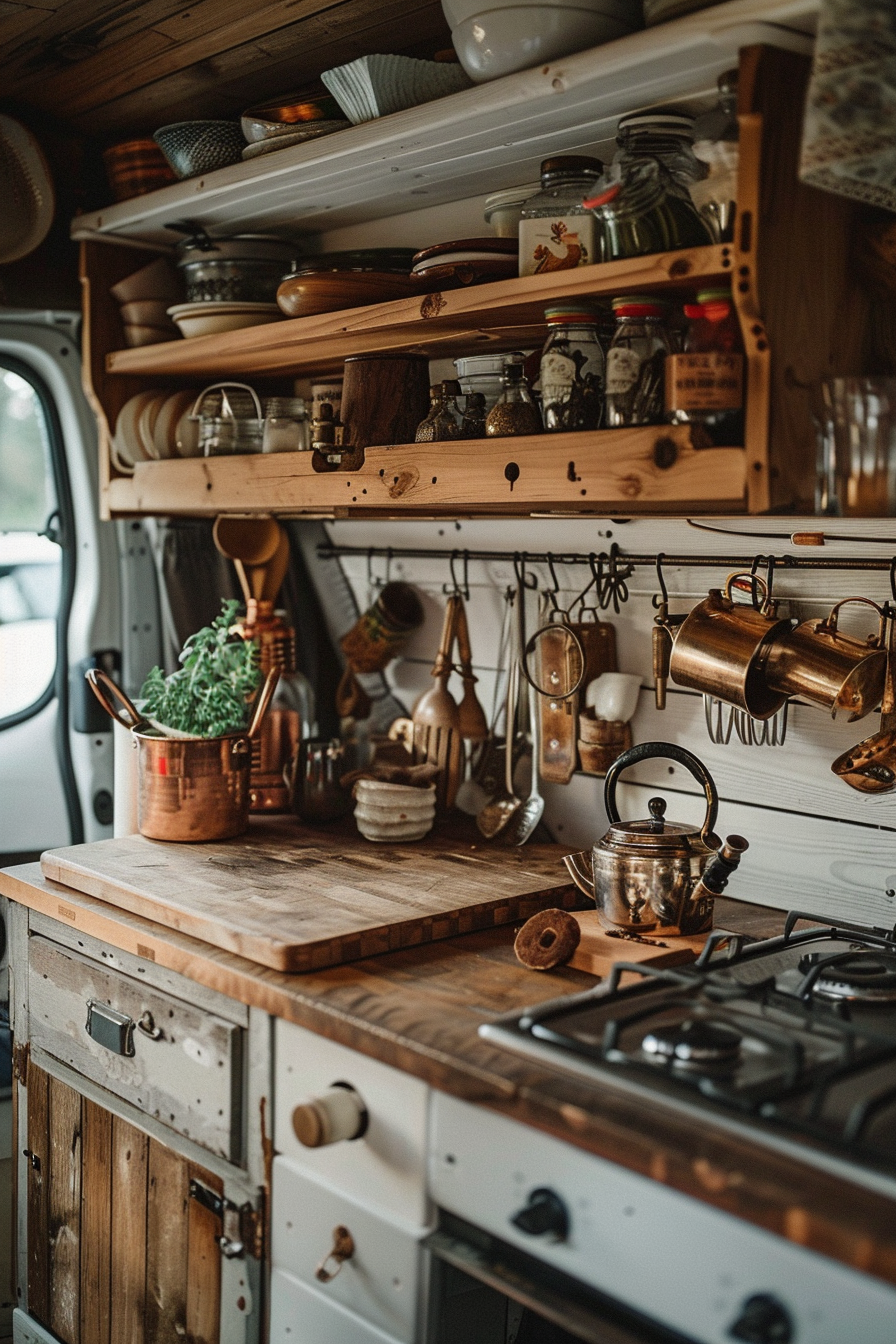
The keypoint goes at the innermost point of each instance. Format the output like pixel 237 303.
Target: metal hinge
pixel 21 1052
pixel 242 1226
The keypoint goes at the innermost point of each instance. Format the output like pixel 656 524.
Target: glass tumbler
pixel 856 448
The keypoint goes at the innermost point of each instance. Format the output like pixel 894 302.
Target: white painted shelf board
pixel 479 140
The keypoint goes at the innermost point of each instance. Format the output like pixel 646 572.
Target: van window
pixel 30 562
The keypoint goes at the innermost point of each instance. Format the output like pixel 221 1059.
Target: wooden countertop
pixel 418 1009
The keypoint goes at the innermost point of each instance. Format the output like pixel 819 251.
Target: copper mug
pixel 818 662
pixel 720 648
pixel 188 788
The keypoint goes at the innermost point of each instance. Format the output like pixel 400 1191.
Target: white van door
pixel 59 594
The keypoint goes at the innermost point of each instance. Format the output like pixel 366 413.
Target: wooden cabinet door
pixel 118 1252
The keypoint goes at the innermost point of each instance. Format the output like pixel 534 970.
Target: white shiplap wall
pixel 816 844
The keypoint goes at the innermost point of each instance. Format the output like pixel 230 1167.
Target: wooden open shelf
pixel 506 313
pixel 654 469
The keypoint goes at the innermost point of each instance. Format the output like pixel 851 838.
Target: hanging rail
pixel 623 559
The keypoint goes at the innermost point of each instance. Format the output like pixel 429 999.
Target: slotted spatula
pixel 436 718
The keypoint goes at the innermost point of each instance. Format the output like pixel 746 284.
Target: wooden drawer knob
pixel 339 1114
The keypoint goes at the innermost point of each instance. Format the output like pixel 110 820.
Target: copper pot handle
pixel 113 700
pixel 262 701
pixel 756 580
pixel 343 1249
pixel 646 751
pixel 829 624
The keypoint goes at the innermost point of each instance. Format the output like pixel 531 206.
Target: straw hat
pixel 26 190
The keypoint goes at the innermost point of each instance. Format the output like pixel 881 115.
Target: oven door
pixel 485 1291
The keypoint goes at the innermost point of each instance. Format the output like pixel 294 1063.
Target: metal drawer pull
pixel 148 1026
pixel 343 1249
pixel 110 1028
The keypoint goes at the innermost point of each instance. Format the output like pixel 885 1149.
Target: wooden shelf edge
pixel 500 311
pixel 653 469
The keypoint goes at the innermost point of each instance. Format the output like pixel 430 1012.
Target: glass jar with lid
pixel 557 233
pixel 636 362
pixel 572 369
pixel 286 427
pixel 665 136
pixel 643 213
pixel 485 374
pixel 705 383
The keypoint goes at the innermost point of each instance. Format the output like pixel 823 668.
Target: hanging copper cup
pixel 819 663
pixel 720 647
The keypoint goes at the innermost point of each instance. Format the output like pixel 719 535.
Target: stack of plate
pixel 467 261
pixel 153 426
pixel 374 86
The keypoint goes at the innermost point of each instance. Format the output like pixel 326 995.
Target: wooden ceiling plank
pixel 15 26
pixel 223 86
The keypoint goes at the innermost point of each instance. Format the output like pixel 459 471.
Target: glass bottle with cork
pixel 705 383
pixel 557 233
pixel 514 412
pixel 636 362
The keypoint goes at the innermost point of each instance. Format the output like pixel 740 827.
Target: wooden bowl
pixel 330 291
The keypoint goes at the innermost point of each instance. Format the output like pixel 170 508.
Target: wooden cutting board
pixel 296 900
pixel 600 947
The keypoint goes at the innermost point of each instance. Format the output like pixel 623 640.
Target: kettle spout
pixel 696 915
pixel 580 869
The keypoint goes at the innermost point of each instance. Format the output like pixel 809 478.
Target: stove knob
pixel 544 1215
pixel 763 1320
pixel 339 1114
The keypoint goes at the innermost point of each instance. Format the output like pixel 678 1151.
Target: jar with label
pixel 705 383
pixel 572 369
pixel 557 233
pixel 514 412
pixel 643 213
pixel 667 137
pixel 635 362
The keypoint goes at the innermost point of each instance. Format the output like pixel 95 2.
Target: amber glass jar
pixel 705 383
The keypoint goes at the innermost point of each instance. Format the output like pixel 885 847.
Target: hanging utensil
pixel 436 719
pixel 495 815
pixel 524 820
pixel 870 766
pixel 471 716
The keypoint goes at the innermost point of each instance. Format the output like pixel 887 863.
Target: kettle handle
pixel 646 751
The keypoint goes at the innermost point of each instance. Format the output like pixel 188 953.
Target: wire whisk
pixel 723 720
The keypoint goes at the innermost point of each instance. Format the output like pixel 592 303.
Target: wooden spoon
pixel 471 715
pixel 436 720
pixel 248 542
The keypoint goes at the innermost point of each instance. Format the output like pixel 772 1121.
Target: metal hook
pixel 454 588
pixel 893 577
pixel 617 588
pixel 661 599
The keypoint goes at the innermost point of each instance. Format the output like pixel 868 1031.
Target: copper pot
pixel 836 671
pixel 720 647
pixel 192 788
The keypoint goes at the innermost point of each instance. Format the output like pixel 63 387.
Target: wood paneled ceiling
pixel 114 70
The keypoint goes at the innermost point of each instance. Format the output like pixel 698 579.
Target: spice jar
pixel 557 233
pixel 635 362
pixel 473 426
pixel 286 428
pixel 443 419
pixel 485 374
pixel 705 384
pixel 514 412
pixel 572 369
pixel 667 137
pixel 643 213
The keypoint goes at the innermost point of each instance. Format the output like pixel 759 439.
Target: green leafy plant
pixel 210 693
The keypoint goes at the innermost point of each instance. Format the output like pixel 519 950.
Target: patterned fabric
pixel 849 137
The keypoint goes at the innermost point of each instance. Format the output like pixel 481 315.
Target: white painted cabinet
pixel 300 1315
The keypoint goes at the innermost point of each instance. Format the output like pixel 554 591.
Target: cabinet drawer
pixel 299 1315
pixel 176 1062
pixel 386 1167
pixel 380 1281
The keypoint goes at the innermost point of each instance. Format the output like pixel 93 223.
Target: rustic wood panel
pixel 168 1276
pixel 203 1265
pixel 65 1211
pixel 129 1190
pixel 296 900
pixel 96 1224
pixel 38 1195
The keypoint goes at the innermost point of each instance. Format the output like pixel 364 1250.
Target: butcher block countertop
pixel 418 1009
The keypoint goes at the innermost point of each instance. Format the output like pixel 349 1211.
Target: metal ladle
pixel 528 814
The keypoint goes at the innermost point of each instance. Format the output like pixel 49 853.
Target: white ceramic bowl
pixel 393 812
pixel 207 319
pixel 498 42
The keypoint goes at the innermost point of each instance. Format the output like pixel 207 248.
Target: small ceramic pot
pixel 393 812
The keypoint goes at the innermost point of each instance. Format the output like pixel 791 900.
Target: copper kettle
pixel 654 873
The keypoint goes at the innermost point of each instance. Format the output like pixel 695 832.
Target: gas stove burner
pixel 867 976
pixel 694 1044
